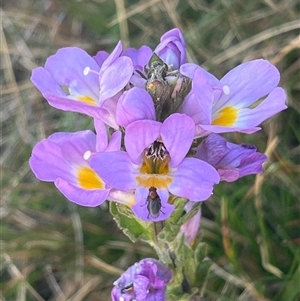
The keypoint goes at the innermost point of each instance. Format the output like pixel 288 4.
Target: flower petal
pixel 48 163
pixel 115 168
pixel 198 103
pixel 74 145
pixel 135 104
pixel 229 175
pixel 207 129
pixel 191 227
pixel 140 135
pixel 194 179
pixel 177 133
pixel 140 57
pixel 115 77
pixel 115 142
pixel 141 287
pixel 67 104
pixel 252 164
pixel 89 198
pixel 189 70
pixel 112 57
pixel 101 131
pixel 67 66
pixel 248 82
pixel 101 57
pixel 274 103
pixel 248 119
pixel 45 82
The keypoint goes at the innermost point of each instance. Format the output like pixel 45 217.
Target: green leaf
pixel 185 262
pixel 201 274
pixel 200 252
pixel 129 224
pixel 291 290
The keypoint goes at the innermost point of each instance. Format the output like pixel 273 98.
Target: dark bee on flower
pixel 157 85
pixel 167 87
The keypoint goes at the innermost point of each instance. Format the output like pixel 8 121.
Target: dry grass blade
pixel 294 44
pixel 103 266
pixel 17 275
pixel 86 289
pixel 122 20
pixel 170 7
pixel 77 226
pixel 250 42
pixel 133 10
pixel 237 281
pixel 262 240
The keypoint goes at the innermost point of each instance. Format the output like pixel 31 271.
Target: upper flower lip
pixel 135 104
pixel 176 132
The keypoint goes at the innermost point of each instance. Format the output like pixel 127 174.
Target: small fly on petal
pixel 154 203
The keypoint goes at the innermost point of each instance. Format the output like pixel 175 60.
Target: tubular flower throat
pixel 155 168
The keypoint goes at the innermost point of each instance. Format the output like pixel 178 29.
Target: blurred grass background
pixel 54 250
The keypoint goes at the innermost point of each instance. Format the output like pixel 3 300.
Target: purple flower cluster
pixel 156 104
pixel 144 281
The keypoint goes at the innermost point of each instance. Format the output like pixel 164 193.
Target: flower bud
pixel 172 49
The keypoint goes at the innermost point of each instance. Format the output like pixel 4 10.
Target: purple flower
pixel 144 281
pixel 74 81
pixel 231 104
pixel 63 158
pixel 155 166
pixel 172 49
pixel 232 161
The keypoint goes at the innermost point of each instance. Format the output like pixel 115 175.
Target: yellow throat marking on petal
pixel 154 173
pixel 226 117
pixel 87 99
pixel 157 181
pixel 88 179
